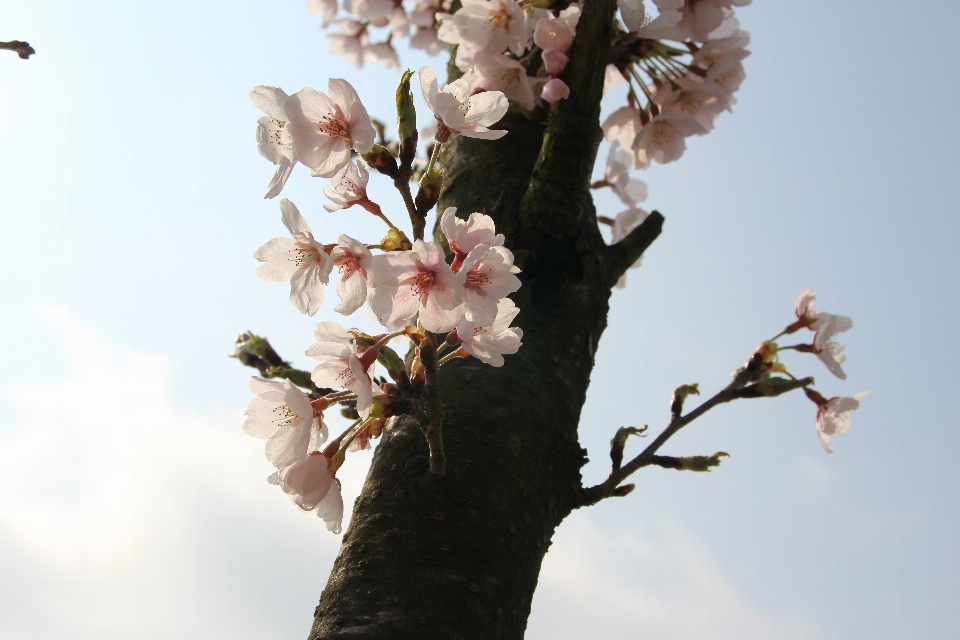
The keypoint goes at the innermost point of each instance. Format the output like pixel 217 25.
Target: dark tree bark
pixel 459 556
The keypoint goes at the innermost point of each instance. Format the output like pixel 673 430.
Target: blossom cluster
pixel 833 414
pixel 419 290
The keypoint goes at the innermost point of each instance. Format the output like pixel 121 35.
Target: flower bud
pixel 395 240
pixel 429 192
pixel 406 120
pixel 382 160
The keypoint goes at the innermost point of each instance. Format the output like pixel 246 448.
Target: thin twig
pixel 607 488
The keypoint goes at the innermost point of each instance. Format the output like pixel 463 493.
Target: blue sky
pixel 130 205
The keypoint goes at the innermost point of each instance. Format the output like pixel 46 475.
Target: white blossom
pixel 484 27
pixel 274 141
pixel 506 75
pixel 300 260
pixel 662 139
pixel 349 186
pixel 281 414
pixel 487 275
pixel 326 8
pixel 354 262
pixel 490 344
pixel 617 174
pixel 415 282
pixel 833 417
pixel 343 366
pixel 325 127
pixel 462 113
pixel 311 485
pixel 463 236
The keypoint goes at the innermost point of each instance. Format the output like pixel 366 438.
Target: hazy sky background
pixel 132 505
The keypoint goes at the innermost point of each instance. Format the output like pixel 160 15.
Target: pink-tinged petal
pixel 288 448
pixel 435 318
pixel 292 220
pixel 279 258
pixel 805 302
pixel 829 325
pixel 329 331
pixel 306 290
pixel 313 105
pixel 428 86
pixel 484 134
pixel 333 157
pixel 352 292
pixel 284 168
pixel 343 94
pixel 270 100
pixel 487 108
pixel 330 509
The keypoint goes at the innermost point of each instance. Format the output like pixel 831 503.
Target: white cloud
pixel 123 514
pixel 602 585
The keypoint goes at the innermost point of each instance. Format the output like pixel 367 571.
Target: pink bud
pixel 554 60
pixel 556 89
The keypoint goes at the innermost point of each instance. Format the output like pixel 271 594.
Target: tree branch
pixel 608 487
pixel 552 205
pixel 23 49
pixel 617 258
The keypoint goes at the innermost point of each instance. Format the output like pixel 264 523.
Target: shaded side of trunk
pixel 459 557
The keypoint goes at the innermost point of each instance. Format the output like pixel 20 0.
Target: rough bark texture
pixel 459 556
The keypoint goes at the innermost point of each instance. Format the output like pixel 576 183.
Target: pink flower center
pixel 348 265
pixel 335 125
pixel 476 279
pixel 422 284
pixel 499 18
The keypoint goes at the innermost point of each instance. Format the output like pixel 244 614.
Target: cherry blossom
pixel 833 415
pixel 301 260
pixel 727 72
pixel 490 344
pixel 274 141
pixel 354 262
pixel 326 8
pixel 616 174
pixel 662 139
pixel 701 17
pixel 487 275
pixel 830 355
pixel 484 26
pixel 500 73
pixel 311 485
pixel 555 89
pixel 349 186
pixel 463 236
pixel 459 111
pixel 345 366
pixel 703 101
pixel 281 414
pixel 414 282
pixel 637 20
pixel 325 127
pixel 622 126
pixel 383 53
pixel 826 325
pixel 349 42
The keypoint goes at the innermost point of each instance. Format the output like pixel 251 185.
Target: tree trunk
pixel 459 556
